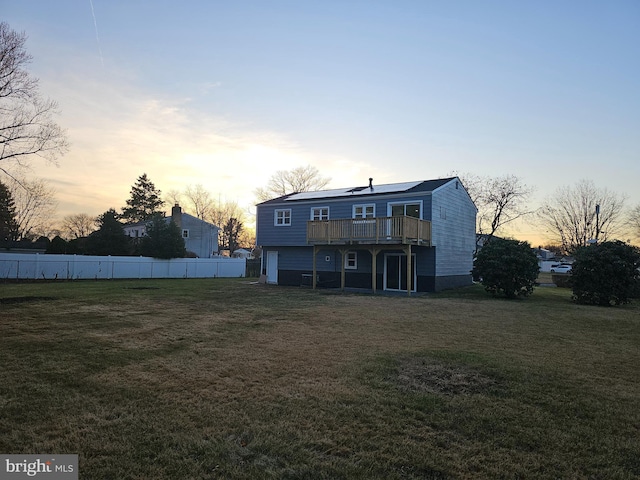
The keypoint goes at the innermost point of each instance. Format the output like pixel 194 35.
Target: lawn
pixel 182 379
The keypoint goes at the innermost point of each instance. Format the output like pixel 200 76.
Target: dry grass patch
pixel 433 376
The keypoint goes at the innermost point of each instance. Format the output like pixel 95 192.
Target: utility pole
pixel 597 222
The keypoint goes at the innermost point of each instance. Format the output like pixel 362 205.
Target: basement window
pixel 351 261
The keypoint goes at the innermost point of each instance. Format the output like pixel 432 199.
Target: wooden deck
pixel 369 231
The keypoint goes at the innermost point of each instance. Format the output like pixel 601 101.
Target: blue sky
pixel 223 94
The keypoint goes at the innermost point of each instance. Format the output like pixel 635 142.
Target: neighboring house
pixel 413 236
pixel 242 253
pixel 200 237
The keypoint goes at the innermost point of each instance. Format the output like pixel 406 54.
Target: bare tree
pixel 577 215
pixel 27 128
pixel 247 238
pixel 634 222
pixel 35 204
pixel 199 201
pixel 173 197
pixel 300 179
pixel 221 212
pixel 79 225
pixel 500 201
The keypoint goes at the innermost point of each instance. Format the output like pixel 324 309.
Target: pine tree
pixel 230 233
pixel 163 239
pixel 109 239
pixel 144 203
pixel 8 223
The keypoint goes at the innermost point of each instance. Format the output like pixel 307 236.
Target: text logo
pixel 48 467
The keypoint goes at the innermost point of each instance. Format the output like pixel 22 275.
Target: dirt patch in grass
pixel 27 299
pixel 431 375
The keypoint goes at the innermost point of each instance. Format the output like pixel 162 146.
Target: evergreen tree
pixel 507 267
pixel 230 233
pixel 163 239
pixel 58 245
pixel 109 239
pixel 606 273
pixel 144 203
pixel 8 223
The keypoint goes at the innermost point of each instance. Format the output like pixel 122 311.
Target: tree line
pixel 572 217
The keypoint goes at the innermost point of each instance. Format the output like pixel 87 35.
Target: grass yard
pixel 199 379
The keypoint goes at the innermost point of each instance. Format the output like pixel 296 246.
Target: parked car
pixel 561 268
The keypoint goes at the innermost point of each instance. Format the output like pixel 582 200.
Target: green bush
pixel 507 267
pixel 606 273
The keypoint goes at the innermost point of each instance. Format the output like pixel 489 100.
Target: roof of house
pixel 366 191
pixel 167 218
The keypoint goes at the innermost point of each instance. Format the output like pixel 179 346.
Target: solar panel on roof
pixel 349 192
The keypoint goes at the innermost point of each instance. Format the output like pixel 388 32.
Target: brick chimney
pixel 176 215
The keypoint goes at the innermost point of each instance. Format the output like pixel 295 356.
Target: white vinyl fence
pixel 72 267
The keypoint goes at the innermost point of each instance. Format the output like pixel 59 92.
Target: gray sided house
pixel 200 237
pixel 406 237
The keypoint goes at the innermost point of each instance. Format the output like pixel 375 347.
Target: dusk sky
pixel 224 94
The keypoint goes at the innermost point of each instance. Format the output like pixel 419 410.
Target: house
pixel 200 237
pixel 242 253
pixel 409 237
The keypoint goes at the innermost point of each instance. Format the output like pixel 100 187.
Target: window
pixel 405 209
pixel 282 217
pixel 351 261
pixel 364 211
pixel 320 213
pixel 185 233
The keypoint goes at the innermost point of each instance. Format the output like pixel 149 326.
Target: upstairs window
pixel 364 211
pixel 320 213
pixel 405 209
pixel 185 233
pixel 282 217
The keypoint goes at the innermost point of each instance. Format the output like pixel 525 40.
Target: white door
pixel 272 266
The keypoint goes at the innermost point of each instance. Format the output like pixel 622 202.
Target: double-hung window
pixel 364 211
pixel 282 217
pixel 320 213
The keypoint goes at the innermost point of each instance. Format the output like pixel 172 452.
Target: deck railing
pixel 380 230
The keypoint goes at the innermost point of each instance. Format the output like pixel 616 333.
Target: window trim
pixel 390 205
pixel 364 210
pixel 355 260
pixel 286 215
pixel 312 214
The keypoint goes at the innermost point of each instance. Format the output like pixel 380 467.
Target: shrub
pixel 507 267
pixel 606 273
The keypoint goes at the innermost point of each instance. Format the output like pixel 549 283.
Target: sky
pixel 224 94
